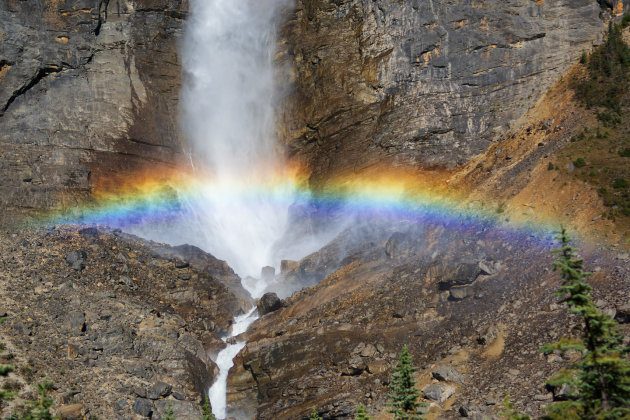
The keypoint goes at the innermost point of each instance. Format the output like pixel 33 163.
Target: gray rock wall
pixel 421 82
pixel 87 88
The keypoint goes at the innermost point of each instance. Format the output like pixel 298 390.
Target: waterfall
pixel 228 100
pixel 229 96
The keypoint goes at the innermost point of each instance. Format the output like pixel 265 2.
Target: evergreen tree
pixel 361 413
pixel 168 414
pixel 602 377
pixel 315 415
pixel 403 400
pixel 207 411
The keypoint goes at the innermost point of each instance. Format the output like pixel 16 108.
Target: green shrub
pixel 579 163
pixel 620 183
pixel 207 411
pixel 609 118
pixel 315 415
pixel 510 412
pixel 583 58
pixel 361 413
pixel 168 414
pixel 625 152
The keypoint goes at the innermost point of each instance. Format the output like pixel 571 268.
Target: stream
pixel 218 391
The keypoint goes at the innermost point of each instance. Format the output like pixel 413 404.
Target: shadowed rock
pixel 269 302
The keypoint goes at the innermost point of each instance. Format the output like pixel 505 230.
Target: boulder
pixel 462 274
pixel 461 292
pixel 143 407
pixel 181 409
pixel 160 389
pixel 438 392
pixel 89 232
pixel 447 374
pixel 269 302
pixel 368 351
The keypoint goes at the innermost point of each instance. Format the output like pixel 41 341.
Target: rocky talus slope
pixel 120 326
pixel 473 303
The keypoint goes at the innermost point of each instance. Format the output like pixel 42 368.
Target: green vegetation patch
pixel 607 77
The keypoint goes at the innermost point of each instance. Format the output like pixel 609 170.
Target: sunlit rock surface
pixel 420 82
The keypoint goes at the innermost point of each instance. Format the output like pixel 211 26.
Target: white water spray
pixel 228 102
pixel 229 97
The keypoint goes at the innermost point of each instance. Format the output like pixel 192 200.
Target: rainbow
pixel 161 196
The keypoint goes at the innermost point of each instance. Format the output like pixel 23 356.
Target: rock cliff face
pixel 90 87
pixel 87 88
pixel 427 83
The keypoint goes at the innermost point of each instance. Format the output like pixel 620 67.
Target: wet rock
pixel 269 302
pixel 288 266
pixel 143 407
pixel 160 389
pixel 447 374
pixel 268 274
pixel 438 392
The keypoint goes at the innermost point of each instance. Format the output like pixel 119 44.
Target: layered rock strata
pixel 429 83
